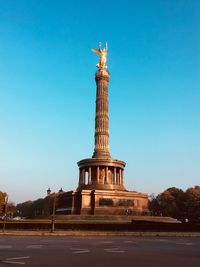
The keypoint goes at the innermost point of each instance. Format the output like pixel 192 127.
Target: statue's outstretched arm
pixel 97 51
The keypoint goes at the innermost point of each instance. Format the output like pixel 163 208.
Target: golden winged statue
pixel 103 56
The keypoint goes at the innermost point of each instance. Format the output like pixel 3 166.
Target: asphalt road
pixel 99 251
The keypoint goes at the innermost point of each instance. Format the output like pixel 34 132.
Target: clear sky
pixel 47 92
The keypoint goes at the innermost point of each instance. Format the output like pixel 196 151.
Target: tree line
pixel 6 208
pixel 38 208
pixel 176 203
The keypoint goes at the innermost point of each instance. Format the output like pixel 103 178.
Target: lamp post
pixel 53 215
pixel 5 215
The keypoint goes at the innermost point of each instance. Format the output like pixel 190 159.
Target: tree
pixel 2 203
pixel 193 203
pixel 30 209
pixel 154 206
pixel 38 206
pixel 2 197
pixel 25 209
pixel 171 203
pixel 11 209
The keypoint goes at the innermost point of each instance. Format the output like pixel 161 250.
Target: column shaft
pixel 106 175
pixel 89 176
pixel 98 175
pixel 83 176
pixel 115 176
pixel 79 177
pixel 120 176
pixel 101 147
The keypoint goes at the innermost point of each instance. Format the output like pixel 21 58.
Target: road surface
pixel 99 251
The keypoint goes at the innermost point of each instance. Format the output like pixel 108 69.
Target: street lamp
pixel 5 215
pixel 55 197
pixel 53 215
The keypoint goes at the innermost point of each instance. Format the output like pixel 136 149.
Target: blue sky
pixel 47 92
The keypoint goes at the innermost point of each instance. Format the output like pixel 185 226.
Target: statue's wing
pixel 97 51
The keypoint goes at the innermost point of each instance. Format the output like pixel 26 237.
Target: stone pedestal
pixel 105 202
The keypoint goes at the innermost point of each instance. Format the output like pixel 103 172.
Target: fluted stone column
pixel 103 171
pixel 101 146
pixel 79 177
pixel 98 174
pixel 89 176
pixel 115 175
pixel 106 180
pixel 120 176
pixel 83 176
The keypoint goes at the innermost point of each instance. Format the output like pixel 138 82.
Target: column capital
pixel 102 75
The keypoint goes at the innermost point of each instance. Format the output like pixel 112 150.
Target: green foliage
pixel 176 203
pixel 154 206
pixel 25 209
pixel 193 202
pixel 38 208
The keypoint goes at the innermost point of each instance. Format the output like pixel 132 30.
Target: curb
pixel 96 233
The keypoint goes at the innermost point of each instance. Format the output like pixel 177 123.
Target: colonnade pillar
pixel 106 180
pixel 117 175
pixel 89 176
pixel 98 174
pixel 83 176
pixel 120 176
pixel 114 173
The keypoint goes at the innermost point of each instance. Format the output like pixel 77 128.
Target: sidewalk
pixel 99 233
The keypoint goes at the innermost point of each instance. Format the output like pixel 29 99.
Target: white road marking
pixel 186 243
pixel 114 250
pixel 5 246
pixel 11 260
pixel 34 246
pixel 17 258
pixel 79 250
pixel 14 262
